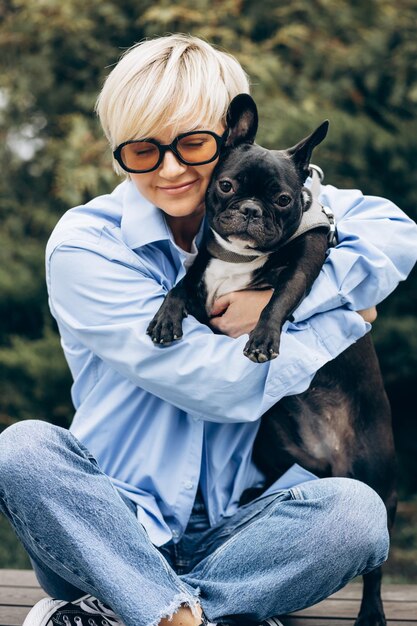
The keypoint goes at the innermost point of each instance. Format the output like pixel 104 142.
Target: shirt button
pixel 175 533
pixel 188 484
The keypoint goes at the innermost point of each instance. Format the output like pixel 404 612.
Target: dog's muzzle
pixel 251 210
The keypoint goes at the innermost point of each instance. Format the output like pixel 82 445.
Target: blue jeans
pixel 276 554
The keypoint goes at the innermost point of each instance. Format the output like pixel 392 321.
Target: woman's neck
pixel 184 229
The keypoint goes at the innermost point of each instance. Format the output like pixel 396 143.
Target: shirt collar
pixel 143 223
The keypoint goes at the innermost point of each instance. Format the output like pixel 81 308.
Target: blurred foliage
pixel 401 566
pixel 12 553
pixel 353 62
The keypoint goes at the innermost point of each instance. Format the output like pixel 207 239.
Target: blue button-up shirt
pixel 159 420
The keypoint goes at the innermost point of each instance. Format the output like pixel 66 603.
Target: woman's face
pixel 174 187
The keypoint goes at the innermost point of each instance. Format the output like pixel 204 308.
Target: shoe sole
pixel 43 610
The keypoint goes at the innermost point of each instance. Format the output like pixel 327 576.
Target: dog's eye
pixel 284 200
pixel 225 186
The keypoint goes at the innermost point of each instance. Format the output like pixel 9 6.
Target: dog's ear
pixel 241 120
pixel 302 151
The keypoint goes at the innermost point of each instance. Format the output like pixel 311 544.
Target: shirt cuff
pixel 314 302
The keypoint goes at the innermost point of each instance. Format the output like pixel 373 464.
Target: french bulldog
pixel 340 426
pixel 255 202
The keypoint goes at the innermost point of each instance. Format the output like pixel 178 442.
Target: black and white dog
pixel 255 205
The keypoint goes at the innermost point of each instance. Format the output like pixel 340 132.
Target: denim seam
pixel 296 493
pixel 36 543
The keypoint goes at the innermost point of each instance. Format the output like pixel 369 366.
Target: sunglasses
pixel 145 155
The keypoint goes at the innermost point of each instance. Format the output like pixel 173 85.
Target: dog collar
pixel 217 251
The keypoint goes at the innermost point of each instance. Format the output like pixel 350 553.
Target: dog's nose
pixel 250 210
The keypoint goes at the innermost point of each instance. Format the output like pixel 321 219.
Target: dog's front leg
pixel 299 266
pixel 187 297
pixel 166 326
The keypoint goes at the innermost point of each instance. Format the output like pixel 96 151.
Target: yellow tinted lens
pixel 197 148
pixel 140 155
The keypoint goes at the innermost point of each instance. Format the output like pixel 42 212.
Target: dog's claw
pixel 262 346
pixel 166 326
pixel 256 356
pixel 167 341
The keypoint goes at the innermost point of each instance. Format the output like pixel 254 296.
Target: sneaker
pixel 271 621
pixel 87 611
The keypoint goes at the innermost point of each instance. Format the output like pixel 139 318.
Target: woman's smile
pixel 177 189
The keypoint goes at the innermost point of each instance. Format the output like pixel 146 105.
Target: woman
pixel 138 505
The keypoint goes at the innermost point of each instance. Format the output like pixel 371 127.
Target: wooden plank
pixel 18 578
pixel 21 596
pixel 350 608
pixel 298 621
pixel 12 616
pixel 15 616
pixel 19 591
pixel 392 592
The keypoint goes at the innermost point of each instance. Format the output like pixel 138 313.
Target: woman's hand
pixel 237 313
pixel 369 315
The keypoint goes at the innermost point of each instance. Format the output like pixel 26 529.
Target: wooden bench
pixel 19 591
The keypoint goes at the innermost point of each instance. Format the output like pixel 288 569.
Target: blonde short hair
pixel 173 81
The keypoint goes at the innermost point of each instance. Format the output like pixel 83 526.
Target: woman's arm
pixel 105 301
pixel 377 249
pixel 104 304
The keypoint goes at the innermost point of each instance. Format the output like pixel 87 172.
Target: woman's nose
pixel 171 167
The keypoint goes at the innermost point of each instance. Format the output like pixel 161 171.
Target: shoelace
pixel 78 621
pixel 95 607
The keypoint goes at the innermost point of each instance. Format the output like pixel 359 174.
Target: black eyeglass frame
pixel 163 148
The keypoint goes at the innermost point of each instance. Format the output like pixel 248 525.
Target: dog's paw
pixel 371 618
pixel 262 345
pixel 166 327
pixel 371 621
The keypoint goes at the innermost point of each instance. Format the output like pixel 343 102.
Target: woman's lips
pixel 177 189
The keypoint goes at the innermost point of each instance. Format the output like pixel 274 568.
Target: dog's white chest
pixel 222 277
